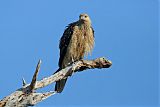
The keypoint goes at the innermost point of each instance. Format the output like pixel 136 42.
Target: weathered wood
pixel 26 96
pixel 34 79
pixel 23 82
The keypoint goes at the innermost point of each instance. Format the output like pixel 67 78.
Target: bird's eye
pixel 85 16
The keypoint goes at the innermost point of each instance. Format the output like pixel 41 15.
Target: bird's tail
pixel 60 84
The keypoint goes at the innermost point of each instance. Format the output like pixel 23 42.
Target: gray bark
pixel 27 95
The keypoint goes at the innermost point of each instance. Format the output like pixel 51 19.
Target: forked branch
pixel 26 96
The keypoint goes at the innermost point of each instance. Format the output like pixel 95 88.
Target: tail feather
pixel 60 85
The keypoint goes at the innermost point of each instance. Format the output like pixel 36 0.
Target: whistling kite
pixel 77 41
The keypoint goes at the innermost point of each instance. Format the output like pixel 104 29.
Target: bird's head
pixel 84 18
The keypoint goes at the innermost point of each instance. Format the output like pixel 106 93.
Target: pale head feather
pixel 84 18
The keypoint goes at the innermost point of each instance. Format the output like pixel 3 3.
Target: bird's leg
pixel 73 62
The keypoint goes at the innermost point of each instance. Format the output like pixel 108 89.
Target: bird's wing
pixel 64 41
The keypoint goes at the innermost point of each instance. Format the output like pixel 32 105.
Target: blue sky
pixel 126 32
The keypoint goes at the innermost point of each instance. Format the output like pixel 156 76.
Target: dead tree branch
pixel 26 96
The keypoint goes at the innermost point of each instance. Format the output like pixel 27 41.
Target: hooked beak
pixel 82 18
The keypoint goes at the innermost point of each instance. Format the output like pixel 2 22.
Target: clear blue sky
pixel 126 32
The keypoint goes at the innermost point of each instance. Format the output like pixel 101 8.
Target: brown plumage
pixel 77 41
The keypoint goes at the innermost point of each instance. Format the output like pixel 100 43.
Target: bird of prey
pixel 76 42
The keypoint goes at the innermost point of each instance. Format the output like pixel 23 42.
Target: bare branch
pixel 23 82
pixel 26 96
pixel 33 83
pixel 77 66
